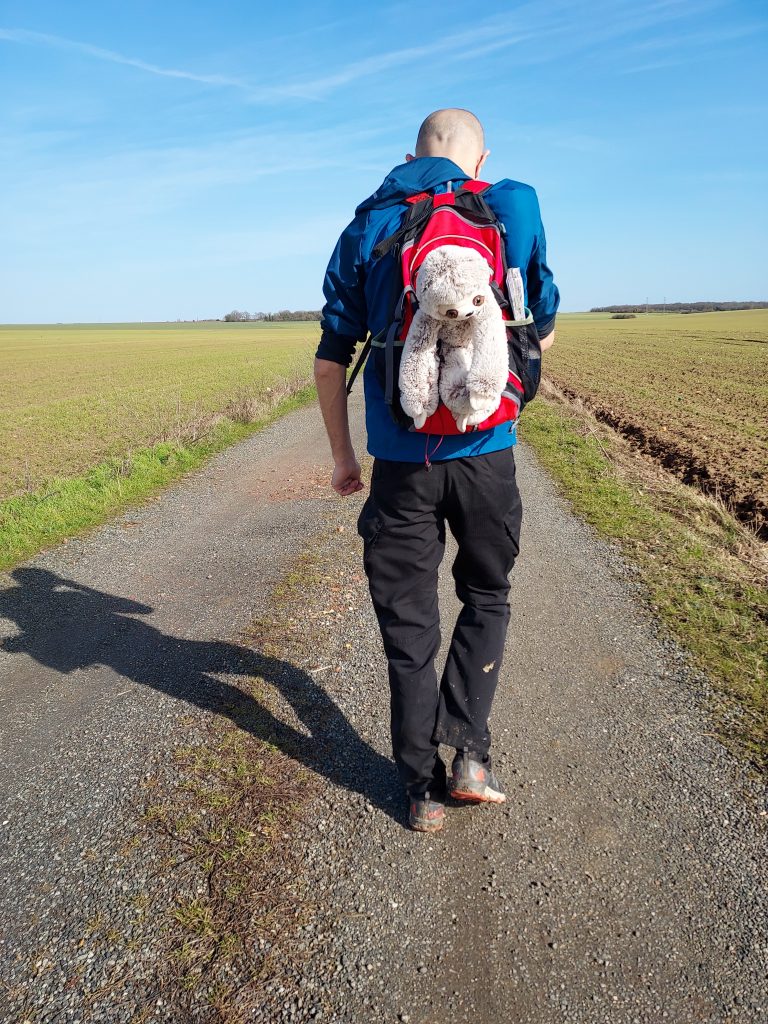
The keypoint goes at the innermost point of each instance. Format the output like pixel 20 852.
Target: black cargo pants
pixel 403 528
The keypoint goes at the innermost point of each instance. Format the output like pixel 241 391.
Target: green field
pixel 74 395
pixel 695 387
pixel 692 390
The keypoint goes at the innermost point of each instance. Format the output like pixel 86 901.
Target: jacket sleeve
pixel 543 296
pixel 344 319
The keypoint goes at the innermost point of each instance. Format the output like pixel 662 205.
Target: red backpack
pixel 462 218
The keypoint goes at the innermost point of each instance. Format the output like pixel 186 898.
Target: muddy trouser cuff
pixel 403 525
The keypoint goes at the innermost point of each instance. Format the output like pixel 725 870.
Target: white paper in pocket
pixel 516 293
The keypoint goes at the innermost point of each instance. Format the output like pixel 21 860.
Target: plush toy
pixel 456 348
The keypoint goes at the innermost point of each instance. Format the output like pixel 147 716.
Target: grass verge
pixel 67 507
pixel 705 573
pixel 227 820
pixel 226 816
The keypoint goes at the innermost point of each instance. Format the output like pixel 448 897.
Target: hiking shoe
pixel 473 780
pixel 426 814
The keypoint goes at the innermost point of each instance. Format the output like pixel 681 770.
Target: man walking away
pixel 421 482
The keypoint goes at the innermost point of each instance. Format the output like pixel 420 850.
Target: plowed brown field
pixel 691 390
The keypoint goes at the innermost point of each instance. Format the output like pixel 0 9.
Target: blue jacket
pixel 358 293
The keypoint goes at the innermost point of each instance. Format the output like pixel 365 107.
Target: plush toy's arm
pixel 490 359
pixel 419 369
pixel 422 334
pixel 453 381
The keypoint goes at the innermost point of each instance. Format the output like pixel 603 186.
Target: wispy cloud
pixel 557 29
pixel 91 194
pixel 701 39
pixel 659 65
pixel 301 89
pixel 538 34
pixel 677 49
pixel 19 35
pixel 470 43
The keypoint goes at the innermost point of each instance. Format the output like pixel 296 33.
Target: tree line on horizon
pixel 240 316
pixel 678 307
pixel 283 315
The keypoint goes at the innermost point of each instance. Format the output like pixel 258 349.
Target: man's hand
pixel 331 390
pixel 346 477
pixel 547 342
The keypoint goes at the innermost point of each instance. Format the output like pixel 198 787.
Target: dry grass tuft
pixel 249 406
pixel 253 406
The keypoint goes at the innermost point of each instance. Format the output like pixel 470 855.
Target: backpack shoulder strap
pixel 476 187
pixel 418 213
pixel 471 196
pixel 359 364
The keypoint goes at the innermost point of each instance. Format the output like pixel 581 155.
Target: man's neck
pixel 455 159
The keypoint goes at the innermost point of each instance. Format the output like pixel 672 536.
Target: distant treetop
pixel 678 307
pixel 240 316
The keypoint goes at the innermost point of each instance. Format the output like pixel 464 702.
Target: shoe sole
pixel 432 826
pixel 480 794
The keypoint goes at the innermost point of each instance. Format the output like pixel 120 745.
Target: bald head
pixel 456 134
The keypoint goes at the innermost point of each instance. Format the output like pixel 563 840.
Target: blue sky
pixel 183 159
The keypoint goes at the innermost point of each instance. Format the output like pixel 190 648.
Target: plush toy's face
pixel 452 283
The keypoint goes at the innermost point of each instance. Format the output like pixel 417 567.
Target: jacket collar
pixel 423 174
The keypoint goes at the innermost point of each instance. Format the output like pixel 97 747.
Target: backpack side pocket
pixel 525 354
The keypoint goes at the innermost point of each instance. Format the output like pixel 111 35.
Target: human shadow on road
pixel 67 626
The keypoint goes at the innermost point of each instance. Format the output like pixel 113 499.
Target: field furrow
pixel 692 391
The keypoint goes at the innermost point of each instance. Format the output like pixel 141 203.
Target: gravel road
pixel 622 882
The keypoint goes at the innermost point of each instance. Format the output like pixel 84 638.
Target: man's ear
pixel 480 163
pixel 409 157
